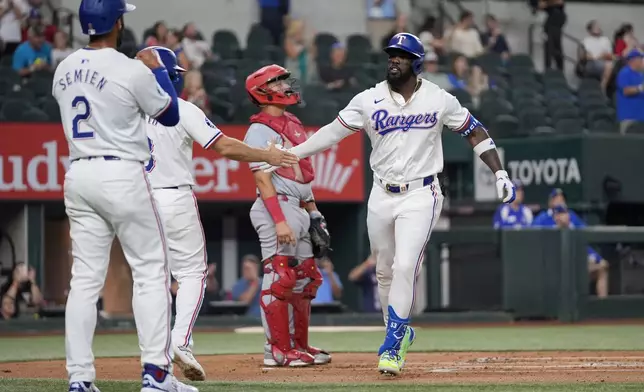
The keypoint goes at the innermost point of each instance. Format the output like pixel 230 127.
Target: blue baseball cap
pixel 634 54
pixel 555 192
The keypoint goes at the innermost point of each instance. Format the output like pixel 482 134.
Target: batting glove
pixel 504 187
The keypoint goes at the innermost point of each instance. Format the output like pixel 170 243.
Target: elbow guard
pixel 169 117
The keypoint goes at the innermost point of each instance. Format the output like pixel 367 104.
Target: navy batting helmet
pixel 411 44
pixel 99 16
pixel 169 60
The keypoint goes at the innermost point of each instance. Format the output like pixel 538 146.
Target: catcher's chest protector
pixel 292 131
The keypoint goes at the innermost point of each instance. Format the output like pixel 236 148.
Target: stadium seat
pixel 324 111
pixel 225 44
pixel 600 114
pixel 223 109
pixel 603 126
pixel 34 114
pixel 523 104
pixel 569 126
pixel 490 62
pixel 544 130
pixel 323 43
pixel 589 84
pixel 462 95
pixel 12 108
pixel 50 107
pixel 40 86
pixel 635 128
pixel 489 110
pixel 532 118
pixel 520 61
pixel 493 95
pixel 565 112
pixel 258 37
pixel 505 126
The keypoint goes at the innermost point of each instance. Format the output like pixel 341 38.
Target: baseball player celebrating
pixel 102 95
pixel 404 117
pixel 283 215
pixel 170 173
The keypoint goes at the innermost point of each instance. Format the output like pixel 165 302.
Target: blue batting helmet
pixel 169 60
pixel 411 44
pixel 99 16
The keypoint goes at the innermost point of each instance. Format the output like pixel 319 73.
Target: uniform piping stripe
pixel 421 256
pixel 213 140
pixel 167 105
pixel 465 123
pixel 165 269
pixel 195 313
pixel 346 125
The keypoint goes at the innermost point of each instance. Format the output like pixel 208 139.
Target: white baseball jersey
pixel 171 147
pixel 406 137
pixel 103 97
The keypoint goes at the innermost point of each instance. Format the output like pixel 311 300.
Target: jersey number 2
pixel 85 111
pixel 150 165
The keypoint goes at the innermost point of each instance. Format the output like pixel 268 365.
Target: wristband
pixel 485 145
pixel 273 207
pixel 501 174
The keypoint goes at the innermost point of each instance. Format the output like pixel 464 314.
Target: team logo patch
pixel 209 123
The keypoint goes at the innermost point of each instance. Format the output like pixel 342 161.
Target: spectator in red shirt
pixel 35 19
pixel 625 40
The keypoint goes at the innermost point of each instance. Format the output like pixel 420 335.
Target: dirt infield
pixel 467 367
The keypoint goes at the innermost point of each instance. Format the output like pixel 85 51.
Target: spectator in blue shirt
pixel 364 275
pixel 248 288
pixel 273 16
pixel 546 218
pixel 34 54
pixel 331 288
pixel 515 214
pixel 630 91
pixel 558 215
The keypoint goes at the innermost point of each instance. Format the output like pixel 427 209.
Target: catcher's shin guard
pixel 301 303
pixel 277 289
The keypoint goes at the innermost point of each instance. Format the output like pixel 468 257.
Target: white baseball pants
pixel 188 259
pixel 399 227
pixel 104 198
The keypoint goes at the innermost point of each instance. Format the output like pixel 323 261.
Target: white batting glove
pixel 504 187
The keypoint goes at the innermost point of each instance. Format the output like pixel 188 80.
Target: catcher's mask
pixel 272 85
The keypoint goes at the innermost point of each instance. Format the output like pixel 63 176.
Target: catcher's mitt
pixel 320 237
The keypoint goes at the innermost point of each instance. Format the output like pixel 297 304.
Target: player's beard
pixel 119 37
pixel 397 80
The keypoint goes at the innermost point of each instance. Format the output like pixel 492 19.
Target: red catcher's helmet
pixel 280 94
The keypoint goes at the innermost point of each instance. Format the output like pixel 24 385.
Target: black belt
pixel 105 157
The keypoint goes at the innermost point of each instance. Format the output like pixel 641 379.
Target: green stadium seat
pixel 520 61
pixel 489 110
pixel 532 118
pixel 462 95
pixel 225 43
pixel 603 126
pixel 544 130
pixel 505 126
pixel 600 114
pixel 635 128
pixel 569 126
pixel 565 112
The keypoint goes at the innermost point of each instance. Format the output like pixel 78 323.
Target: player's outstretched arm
pixel 324 138
pixel 460 120
pixel 239 151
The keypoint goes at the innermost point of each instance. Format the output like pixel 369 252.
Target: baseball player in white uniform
pixel 170 174
pixel 404 117
pixel 103 97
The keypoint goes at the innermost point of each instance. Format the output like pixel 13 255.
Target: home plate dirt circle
pixel 466 367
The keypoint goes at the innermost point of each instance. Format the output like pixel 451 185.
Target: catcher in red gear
pixel 282 215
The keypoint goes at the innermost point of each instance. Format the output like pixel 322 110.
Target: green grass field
pixel 561 338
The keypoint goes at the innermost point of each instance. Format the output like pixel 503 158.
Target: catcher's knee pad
pixel 308 269
pixel 279 270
